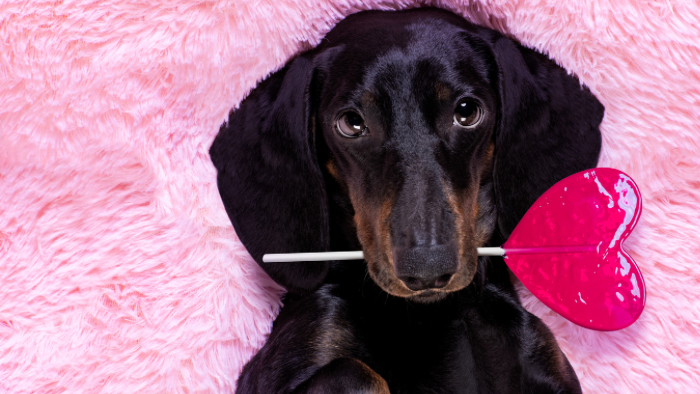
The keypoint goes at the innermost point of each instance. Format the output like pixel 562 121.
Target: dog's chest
pixel 417 350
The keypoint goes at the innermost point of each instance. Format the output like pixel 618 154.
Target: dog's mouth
pixel 428 296
pixel 380 268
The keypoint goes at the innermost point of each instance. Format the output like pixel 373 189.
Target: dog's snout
pixel 426 267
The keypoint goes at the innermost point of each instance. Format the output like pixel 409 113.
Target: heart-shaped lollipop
pixel 567 250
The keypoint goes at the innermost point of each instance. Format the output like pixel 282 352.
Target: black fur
pixel 290 183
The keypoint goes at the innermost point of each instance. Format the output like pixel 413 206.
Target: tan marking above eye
pixel 367 98
pixel 442 91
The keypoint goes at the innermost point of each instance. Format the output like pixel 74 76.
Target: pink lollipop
pixel 567 250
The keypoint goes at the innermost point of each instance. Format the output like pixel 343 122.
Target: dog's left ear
pixel 268 176
pixel 547 129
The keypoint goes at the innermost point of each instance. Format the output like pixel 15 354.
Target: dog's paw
pixel 344 376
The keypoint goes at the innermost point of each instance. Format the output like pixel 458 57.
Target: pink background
pixel 119 269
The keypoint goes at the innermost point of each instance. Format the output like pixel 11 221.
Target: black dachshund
pixel 416 137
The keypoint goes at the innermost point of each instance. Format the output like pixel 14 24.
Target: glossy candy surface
pixel 567 249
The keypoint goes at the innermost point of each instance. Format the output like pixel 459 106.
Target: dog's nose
pixel 426 267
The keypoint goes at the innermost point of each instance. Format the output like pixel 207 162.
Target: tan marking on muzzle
pixel 374 234
pixel 482 234
pixel 384 229
pixel 464 228
pixel 332 169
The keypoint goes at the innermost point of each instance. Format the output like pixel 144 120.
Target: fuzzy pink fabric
pixel 119 269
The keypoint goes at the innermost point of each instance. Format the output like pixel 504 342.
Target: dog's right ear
pixel 548 129
pixel 269 178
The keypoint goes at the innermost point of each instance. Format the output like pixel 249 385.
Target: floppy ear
pixel 269 179
pixel 547 129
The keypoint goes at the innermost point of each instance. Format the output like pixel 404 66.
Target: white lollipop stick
pixel 356 255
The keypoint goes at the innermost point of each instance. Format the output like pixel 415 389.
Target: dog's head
pixel 431 135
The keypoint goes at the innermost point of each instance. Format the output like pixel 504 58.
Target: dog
pixel 417 137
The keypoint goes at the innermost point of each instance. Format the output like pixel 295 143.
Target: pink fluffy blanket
pixel 119 269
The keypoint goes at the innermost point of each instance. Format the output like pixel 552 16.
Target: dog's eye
pixel 351 125
pixel 468 114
